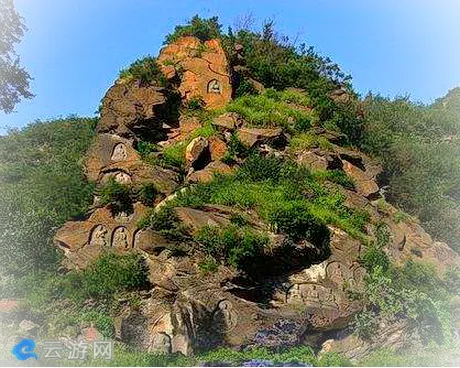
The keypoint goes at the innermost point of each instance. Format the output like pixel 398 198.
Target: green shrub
pixel 145 70
pixel 203 29
pixel 145 148
pixel 108 274
pixel 452 280
pixel 174 154
pixel 147 194
pixel 208 265
pixel 231 244
pixel 166 222
pixel 306 141
pixel 331 359
pixel 421 166
pixel 195 104
pixel 117 195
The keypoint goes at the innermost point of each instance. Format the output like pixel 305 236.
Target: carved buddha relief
pixel 122 178
pixel 120 238
pixel 98 236
pixel 119 152
pixel 214 86
pixel 226 311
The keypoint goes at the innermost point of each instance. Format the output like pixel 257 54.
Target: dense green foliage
pixel 420 151
pixel 273 109
pixel 236 246
pixel 42 186
pixel 117 195
pixel 290 198
pixel 145 70
pixel 65 303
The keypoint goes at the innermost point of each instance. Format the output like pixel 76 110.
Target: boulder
pixel 108 149
pixel 137 173
pixel 252 136
pixel 207 174
pixel 365 182
pixel 217 148
pixel 130 107
pixel 205 70
pixel 196 151
pixel 228 121
pixel 319 160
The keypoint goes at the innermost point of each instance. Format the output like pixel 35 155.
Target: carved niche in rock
pixel 226 315
pixel 99 236
pixel 214 86
pixel 119 152
pixel 120 238
pixel 122 178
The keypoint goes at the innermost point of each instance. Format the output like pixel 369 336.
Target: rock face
pixel 129 107
pixel 204 68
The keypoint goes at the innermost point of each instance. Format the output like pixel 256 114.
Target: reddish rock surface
pixel 205 70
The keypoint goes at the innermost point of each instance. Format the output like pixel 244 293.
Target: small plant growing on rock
pixel 145 70
pixel 201 28
pixel 117 195
pixel 147 194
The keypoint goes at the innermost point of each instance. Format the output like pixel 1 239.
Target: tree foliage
pixel 42 186
pixel 14 79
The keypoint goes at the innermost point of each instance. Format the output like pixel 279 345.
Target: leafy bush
pixel 195 104
pixel 147 194
pixel 108 274
pixel 117 195
pixel 305 141
pixel 277 190
pixel 231 244
pixel 42 186
pixel 145 70
pixel 166 222
pixel 203 29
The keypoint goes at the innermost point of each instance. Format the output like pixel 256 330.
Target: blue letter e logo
pixel 25 349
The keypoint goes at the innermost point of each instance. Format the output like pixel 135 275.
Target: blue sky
pixel 74 49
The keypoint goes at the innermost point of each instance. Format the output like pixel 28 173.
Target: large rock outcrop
pixel 203 68
pixel 301 292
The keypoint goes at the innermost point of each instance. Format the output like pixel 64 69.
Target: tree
pixel 14 79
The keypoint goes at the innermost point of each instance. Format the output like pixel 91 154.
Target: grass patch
pixel 280 192
pixel 267 112
pixel 306 141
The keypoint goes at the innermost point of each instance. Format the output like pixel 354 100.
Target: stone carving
pixel 228 314
pixel 99 236
pixel 311 294
pixel 123 217
pixel 338 273
pixel 120 238
pixel 122 178
pixel 119 153
pixel 161 343
pixel 214 86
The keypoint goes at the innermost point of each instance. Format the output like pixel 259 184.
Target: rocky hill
pixel 255 219
pixel 281 283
